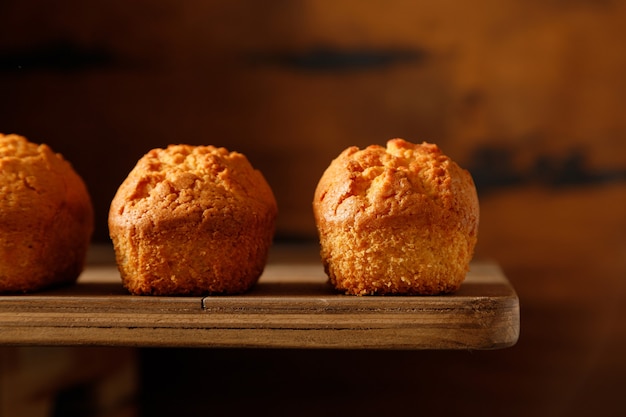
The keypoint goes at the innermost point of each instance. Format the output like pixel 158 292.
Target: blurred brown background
pixel 527 95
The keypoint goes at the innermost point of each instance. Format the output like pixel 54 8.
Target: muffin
pixel 46 217
pixel 396 220
pixel 192 220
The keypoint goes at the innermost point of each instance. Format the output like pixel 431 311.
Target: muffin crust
pixel 191 220
pixel 396 220
pixel 46 217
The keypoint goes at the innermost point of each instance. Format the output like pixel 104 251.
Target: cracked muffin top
pixel 191 181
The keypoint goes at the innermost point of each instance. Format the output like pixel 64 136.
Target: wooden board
pixel 292 306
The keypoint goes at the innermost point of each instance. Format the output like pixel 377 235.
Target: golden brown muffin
pixel 46 217
pixel 192 220
pixel 400 220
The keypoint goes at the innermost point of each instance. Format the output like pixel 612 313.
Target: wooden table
pixel 292 306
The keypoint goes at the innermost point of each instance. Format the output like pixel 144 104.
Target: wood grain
pixel 291 307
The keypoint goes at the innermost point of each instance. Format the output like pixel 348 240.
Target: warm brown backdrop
pixel 528 95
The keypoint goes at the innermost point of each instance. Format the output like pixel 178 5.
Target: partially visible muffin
pixel 396 220
pixel 192 220
pixel 46 217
